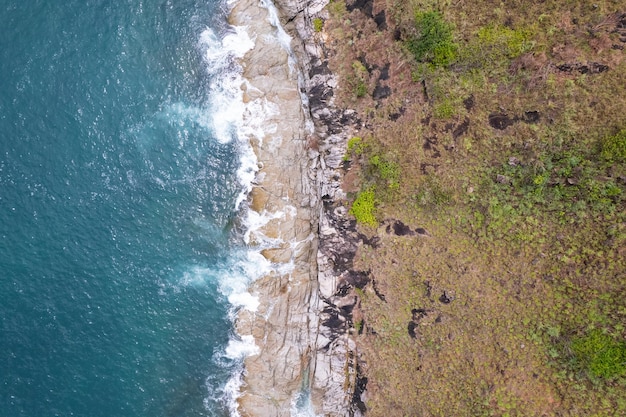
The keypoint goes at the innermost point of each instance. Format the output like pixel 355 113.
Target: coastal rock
pixel 285 325
pixel 303 324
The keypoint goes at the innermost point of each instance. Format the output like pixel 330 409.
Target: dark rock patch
pixel 373 242
pixel 359 389
pixel 381 92
pixel 343 290
pixel 418 313
pixel 399 228
pixel 531 116
pixel 334 320
pixel 445 298
pixel 380 295
pixel 366 64
pixel 358 279
pixel 384 71
pixel 397 34
pixel 421 316
pixel 320 69
pixel 461 129
pixel 395 116
pixel 425 168
pixel 381 21
pixel 319 96
pixel 503 179
pixel 349 118
pixel 500 121
pixel 428 289
pixel 421 231
pixel 469 103
pixel 365 6
pixel 429 143
pixel 589 68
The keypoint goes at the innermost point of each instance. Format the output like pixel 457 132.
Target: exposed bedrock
pixel 302 326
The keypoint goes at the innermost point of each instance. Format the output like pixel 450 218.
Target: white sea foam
pixel 301 406
pixel 238 349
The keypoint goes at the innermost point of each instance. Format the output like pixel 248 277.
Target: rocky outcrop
pixel 304 320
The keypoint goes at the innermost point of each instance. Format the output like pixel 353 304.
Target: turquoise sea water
pixel 116 206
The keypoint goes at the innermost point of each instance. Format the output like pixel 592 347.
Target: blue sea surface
pixel 116 211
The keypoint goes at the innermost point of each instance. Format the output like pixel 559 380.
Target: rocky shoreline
pixel 307 359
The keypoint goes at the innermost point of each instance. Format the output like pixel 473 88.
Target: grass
pixel 526 225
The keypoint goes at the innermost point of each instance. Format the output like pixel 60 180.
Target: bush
pixel 360 79
pixel 501 40
pixel 614 147
pixel 434 42
pixel 600 355
pixel 388 171
pixel 318 24
pixel 363 208
pixel 444 110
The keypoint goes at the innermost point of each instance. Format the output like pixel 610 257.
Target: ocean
pixel 122 252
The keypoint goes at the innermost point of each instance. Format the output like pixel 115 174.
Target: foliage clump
pixel 386 170
pixel 501 40
pixel 614 147
pixel 600 355
pixel 363 208
pixel 318 24
pixel 359 80
pixel 356 145
pixel 434 41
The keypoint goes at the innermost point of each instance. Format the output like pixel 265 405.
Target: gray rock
pixel 297 349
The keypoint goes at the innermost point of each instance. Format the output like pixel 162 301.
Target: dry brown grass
pixel 525 280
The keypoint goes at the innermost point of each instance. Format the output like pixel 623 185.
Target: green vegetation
pixel 444 110
pixel 386 170
pixel 509 151
pixel 318 24
pixel 614 147
pixel 356 145
pixel 363 208
pixel 600 354
pixel 359 79
pixel 434 42
pixel 500 41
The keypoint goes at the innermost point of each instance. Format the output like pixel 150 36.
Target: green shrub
pixel 444 110
pixel 501 40
pixel 318 24
pixel 363 208
pixel 614 147
pixel 601 355
pixel 356 146
pixel 388 171
pixel 360 76
pixel 434 41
